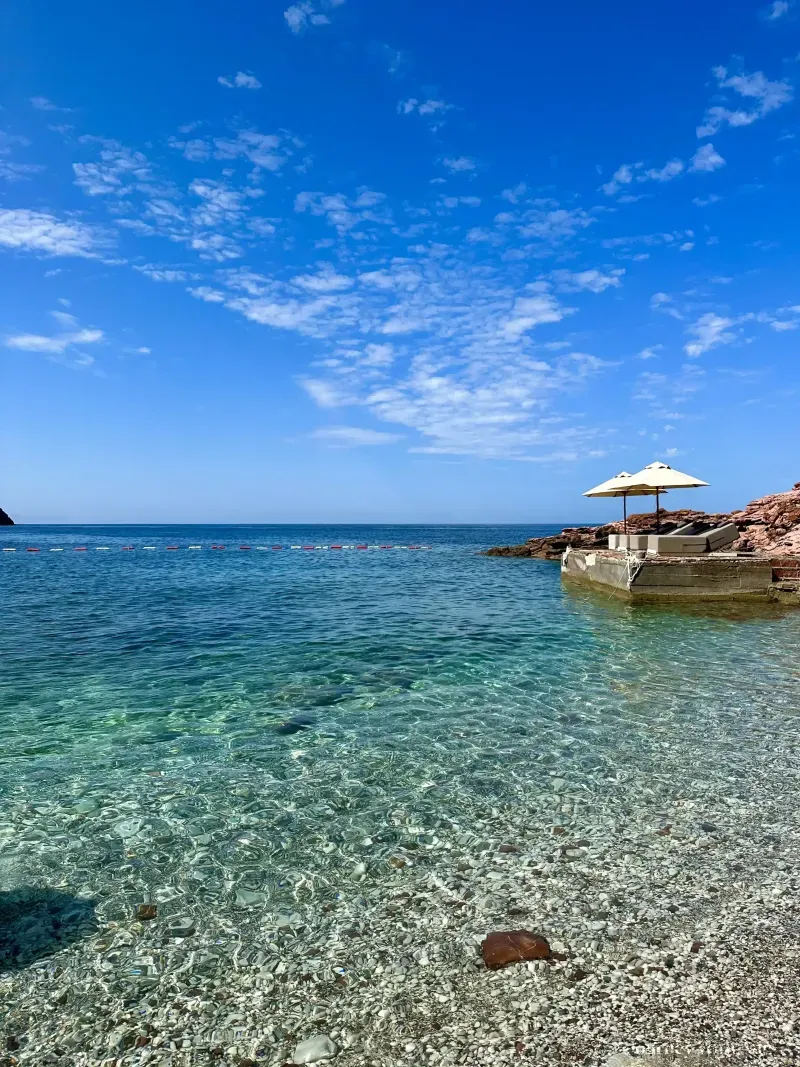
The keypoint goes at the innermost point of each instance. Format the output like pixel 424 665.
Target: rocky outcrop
pixel 5 520
pixel 591 537
pixel 768 526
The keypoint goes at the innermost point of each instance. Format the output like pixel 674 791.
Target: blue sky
pixel 353 260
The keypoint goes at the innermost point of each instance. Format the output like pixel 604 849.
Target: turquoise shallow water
pixel 154 703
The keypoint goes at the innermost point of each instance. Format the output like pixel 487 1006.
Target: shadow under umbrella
pixel 35 922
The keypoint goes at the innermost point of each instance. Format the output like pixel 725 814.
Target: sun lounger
pixel 694 544
pixel 631 542
pixel 722 537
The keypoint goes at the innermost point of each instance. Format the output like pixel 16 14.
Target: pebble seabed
pixel 220 848
pixel 675 905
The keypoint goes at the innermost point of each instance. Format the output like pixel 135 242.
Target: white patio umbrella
pixel 624 485
pixel 660 477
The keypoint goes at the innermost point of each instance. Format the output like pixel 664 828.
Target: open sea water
pixel 216 730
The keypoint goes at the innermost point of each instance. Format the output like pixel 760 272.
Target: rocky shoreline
pixel 769 525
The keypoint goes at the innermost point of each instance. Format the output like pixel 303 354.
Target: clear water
pixel 194 727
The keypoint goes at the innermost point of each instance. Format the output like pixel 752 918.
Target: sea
pixel 157 701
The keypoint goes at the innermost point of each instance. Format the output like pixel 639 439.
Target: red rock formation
pixel 597 536
pixel 770 524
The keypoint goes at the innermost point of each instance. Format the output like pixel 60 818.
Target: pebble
pixel 511 946
pixel 313 1049
pixel 181 927
pixel 246 898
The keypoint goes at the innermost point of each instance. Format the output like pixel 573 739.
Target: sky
pixel 395 260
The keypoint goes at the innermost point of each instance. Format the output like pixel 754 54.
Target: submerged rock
pixel 295 724
pixel 314 1049
pixel 512 946
pixel 181 927
pixel 146 912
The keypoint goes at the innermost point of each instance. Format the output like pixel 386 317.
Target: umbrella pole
pixel 658 514
pixel 625 512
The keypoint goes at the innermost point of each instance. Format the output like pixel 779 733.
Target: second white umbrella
pixel 660 476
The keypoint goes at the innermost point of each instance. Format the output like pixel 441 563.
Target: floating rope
pixel 218 548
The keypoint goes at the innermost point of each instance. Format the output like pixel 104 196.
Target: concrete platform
pixel 717 576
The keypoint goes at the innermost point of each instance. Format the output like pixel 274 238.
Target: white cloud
pixel 162 274
pixel 430 344
pixel 457 164
pixel 266 151
pixel 516 194
pixel 345 213
pixel 593 281
pixel 240 80
pixel 666 393
pixel 657 299
pixel 378 355
pixel 651 239
pixel 261 227
pixel 413 324
pixel 41 103
pixel 531 311
pixel 325 394
pixel 432 110
pixel 16 172
pixel 11 171
pixel 300 16
pixel 70 337
pixel 217 247
pixel 326 281
pixel 119 171
pixel 768 96
pixel 37 231
pixel 213 217
pixel 450 203
pixel 664 174
pixel 207 294
pixel 622 176
pixel 706 158
pixel 220 203
pixel 352 436
pixel 776 10
pixel 635 172
pixel 708 331
pixel 651 352
pixel 553 224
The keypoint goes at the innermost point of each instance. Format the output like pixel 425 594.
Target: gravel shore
pixel 679 917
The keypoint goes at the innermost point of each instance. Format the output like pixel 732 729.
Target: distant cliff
pixel 5 520
pixel 768 525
